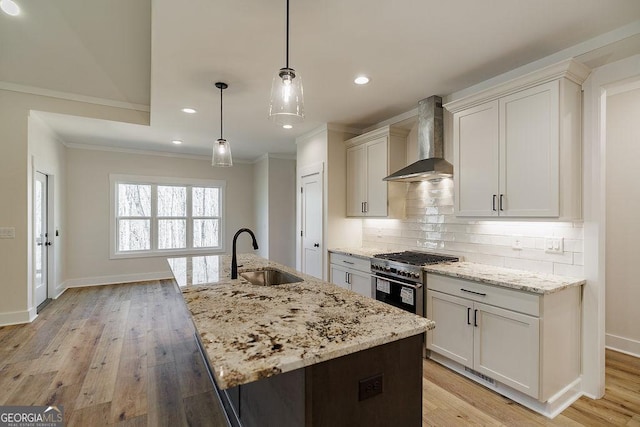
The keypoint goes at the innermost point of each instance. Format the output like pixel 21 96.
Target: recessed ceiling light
pixel 361 80
pixel 177 141
pixel 10 7
pixel 188 110
pixel 287 126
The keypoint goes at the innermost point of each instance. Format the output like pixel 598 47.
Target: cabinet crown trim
pixel 569 69
pixel 375 134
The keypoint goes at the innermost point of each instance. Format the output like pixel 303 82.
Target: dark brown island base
pixel 306 353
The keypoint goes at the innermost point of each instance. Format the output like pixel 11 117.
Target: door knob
pixel 316 245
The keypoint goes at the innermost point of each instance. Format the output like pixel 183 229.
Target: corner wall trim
pixel 116 279
pixel 17 317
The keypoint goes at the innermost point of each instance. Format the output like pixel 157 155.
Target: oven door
pixel 403 294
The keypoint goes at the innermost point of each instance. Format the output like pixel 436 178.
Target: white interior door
pixel 40 235
pixel 311 235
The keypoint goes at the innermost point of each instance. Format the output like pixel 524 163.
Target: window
pixel 164 216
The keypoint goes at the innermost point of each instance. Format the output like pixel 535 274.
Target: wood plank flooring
pixel 125 355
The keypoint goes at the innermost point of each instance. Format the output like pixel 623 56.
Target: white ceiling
pixel 167 55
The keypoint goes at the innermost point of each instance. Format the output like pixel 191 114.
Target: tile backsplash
pixel 430 225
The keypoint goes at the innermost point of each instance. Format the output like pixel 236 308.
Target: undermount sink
pixel 269 277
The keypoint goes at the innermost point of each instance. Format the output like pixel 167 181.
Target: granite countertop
pixel 253 332
pixel 506 277
pixel 359 252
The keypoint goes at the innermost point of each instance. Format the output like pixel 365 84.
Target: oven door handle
pixel 412 285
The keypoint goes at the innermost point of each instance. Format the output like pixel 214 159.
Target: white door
pixel 507 346
pixel 475 152
pixel 530 152
pixel 40 235
pixel 340 276
pixel 356 180
pixel 361 283
pixel 453 335
pixel 311 233
pixel 376 202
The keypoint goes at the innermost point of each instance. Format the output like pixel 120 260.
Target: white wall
pixel 16 304
pixel 261 206
pixel 325 146
pixel 88 210
pixel 275 208
pixel 282 211
pixel 48 155
pixel 623 227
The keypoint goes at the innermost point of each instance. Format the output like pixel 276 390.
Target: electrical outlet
pixel 517 244
pixel 7 232
pixel 554 245
pixel 370 387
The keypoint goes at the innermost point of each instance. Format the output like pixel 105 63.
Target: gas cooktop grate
pixel 416 258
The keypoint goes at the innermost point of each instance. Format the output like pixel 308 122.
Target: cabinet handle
pixel 347 262
pixel 362 207
pixel 493 203
pixel 349 278
pixel 501 199
pixel 475 317
pixel 473 292
pixel 366 207
pixel 468 315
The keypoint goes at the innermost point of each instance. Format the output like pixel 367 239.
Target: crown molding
pixel 33 90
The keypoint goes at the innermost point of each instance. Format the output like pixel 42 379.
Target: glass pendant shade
pixel 286 106
pixel 221 154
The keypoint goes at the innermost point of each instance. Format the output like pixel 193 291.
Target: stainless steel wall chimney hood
pixel 432 165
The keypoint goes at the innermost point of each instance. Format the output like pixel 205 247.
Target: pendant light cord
pixel 221 114
pixel 287 34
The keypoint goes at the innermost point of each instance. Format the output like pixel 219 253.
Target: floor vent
pixel 479 375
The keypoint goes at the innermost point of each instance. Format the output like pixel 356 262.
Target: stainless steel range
pixel 398 278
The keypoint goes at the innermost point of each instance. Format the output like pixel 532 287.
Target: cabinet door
pixel 356 180
pixel 360 283
pixel 530 152
pixel 339 276
pixel 506 347
pixel 376 201
pixel 453 334
pixel 475 150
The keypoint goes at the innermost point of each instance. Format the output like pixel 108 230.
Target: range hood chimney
pixel 431 164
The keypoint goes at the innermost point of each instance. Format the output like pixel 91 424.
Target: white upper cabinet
pixel 517 146
pixel 370 158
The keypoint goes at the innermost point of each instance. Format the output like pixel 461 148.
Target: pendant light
pixel 286 106
pixel 221 149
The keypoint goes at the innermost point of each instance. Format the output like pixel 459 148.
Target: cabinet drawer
pixel 523 302
pixel 355 263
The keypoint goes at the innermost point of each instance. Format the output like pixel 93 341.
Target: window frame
pixel 155 181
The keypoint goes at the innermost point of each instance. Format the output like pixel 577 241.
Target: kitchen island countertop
pixel 251 332
pixel 528 281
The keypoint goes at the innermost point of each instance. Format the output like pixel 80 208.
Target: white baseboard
pixel 550 409
pixel 112 280
pixel 18 317
pixel 623 345
pixel 60 290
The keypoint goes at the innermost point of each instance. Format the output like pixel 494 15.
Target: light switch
pixel 7 232
pixel 554 245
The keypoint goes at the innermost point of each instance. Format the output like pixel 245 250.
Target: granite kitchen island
pixel 302 354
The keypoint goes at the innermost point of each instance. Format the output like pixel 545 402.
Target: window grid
pixel 155 218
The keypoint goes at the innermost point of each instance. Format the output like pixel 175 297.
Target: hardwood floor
pixel 125 355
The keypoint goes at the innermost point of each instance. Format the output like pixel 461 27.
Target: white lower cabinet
pixel 495 342
pixel 529 342
pixel 351 273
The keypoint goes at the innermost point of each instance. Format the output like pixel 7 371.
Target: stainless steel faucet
pixel 234 261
